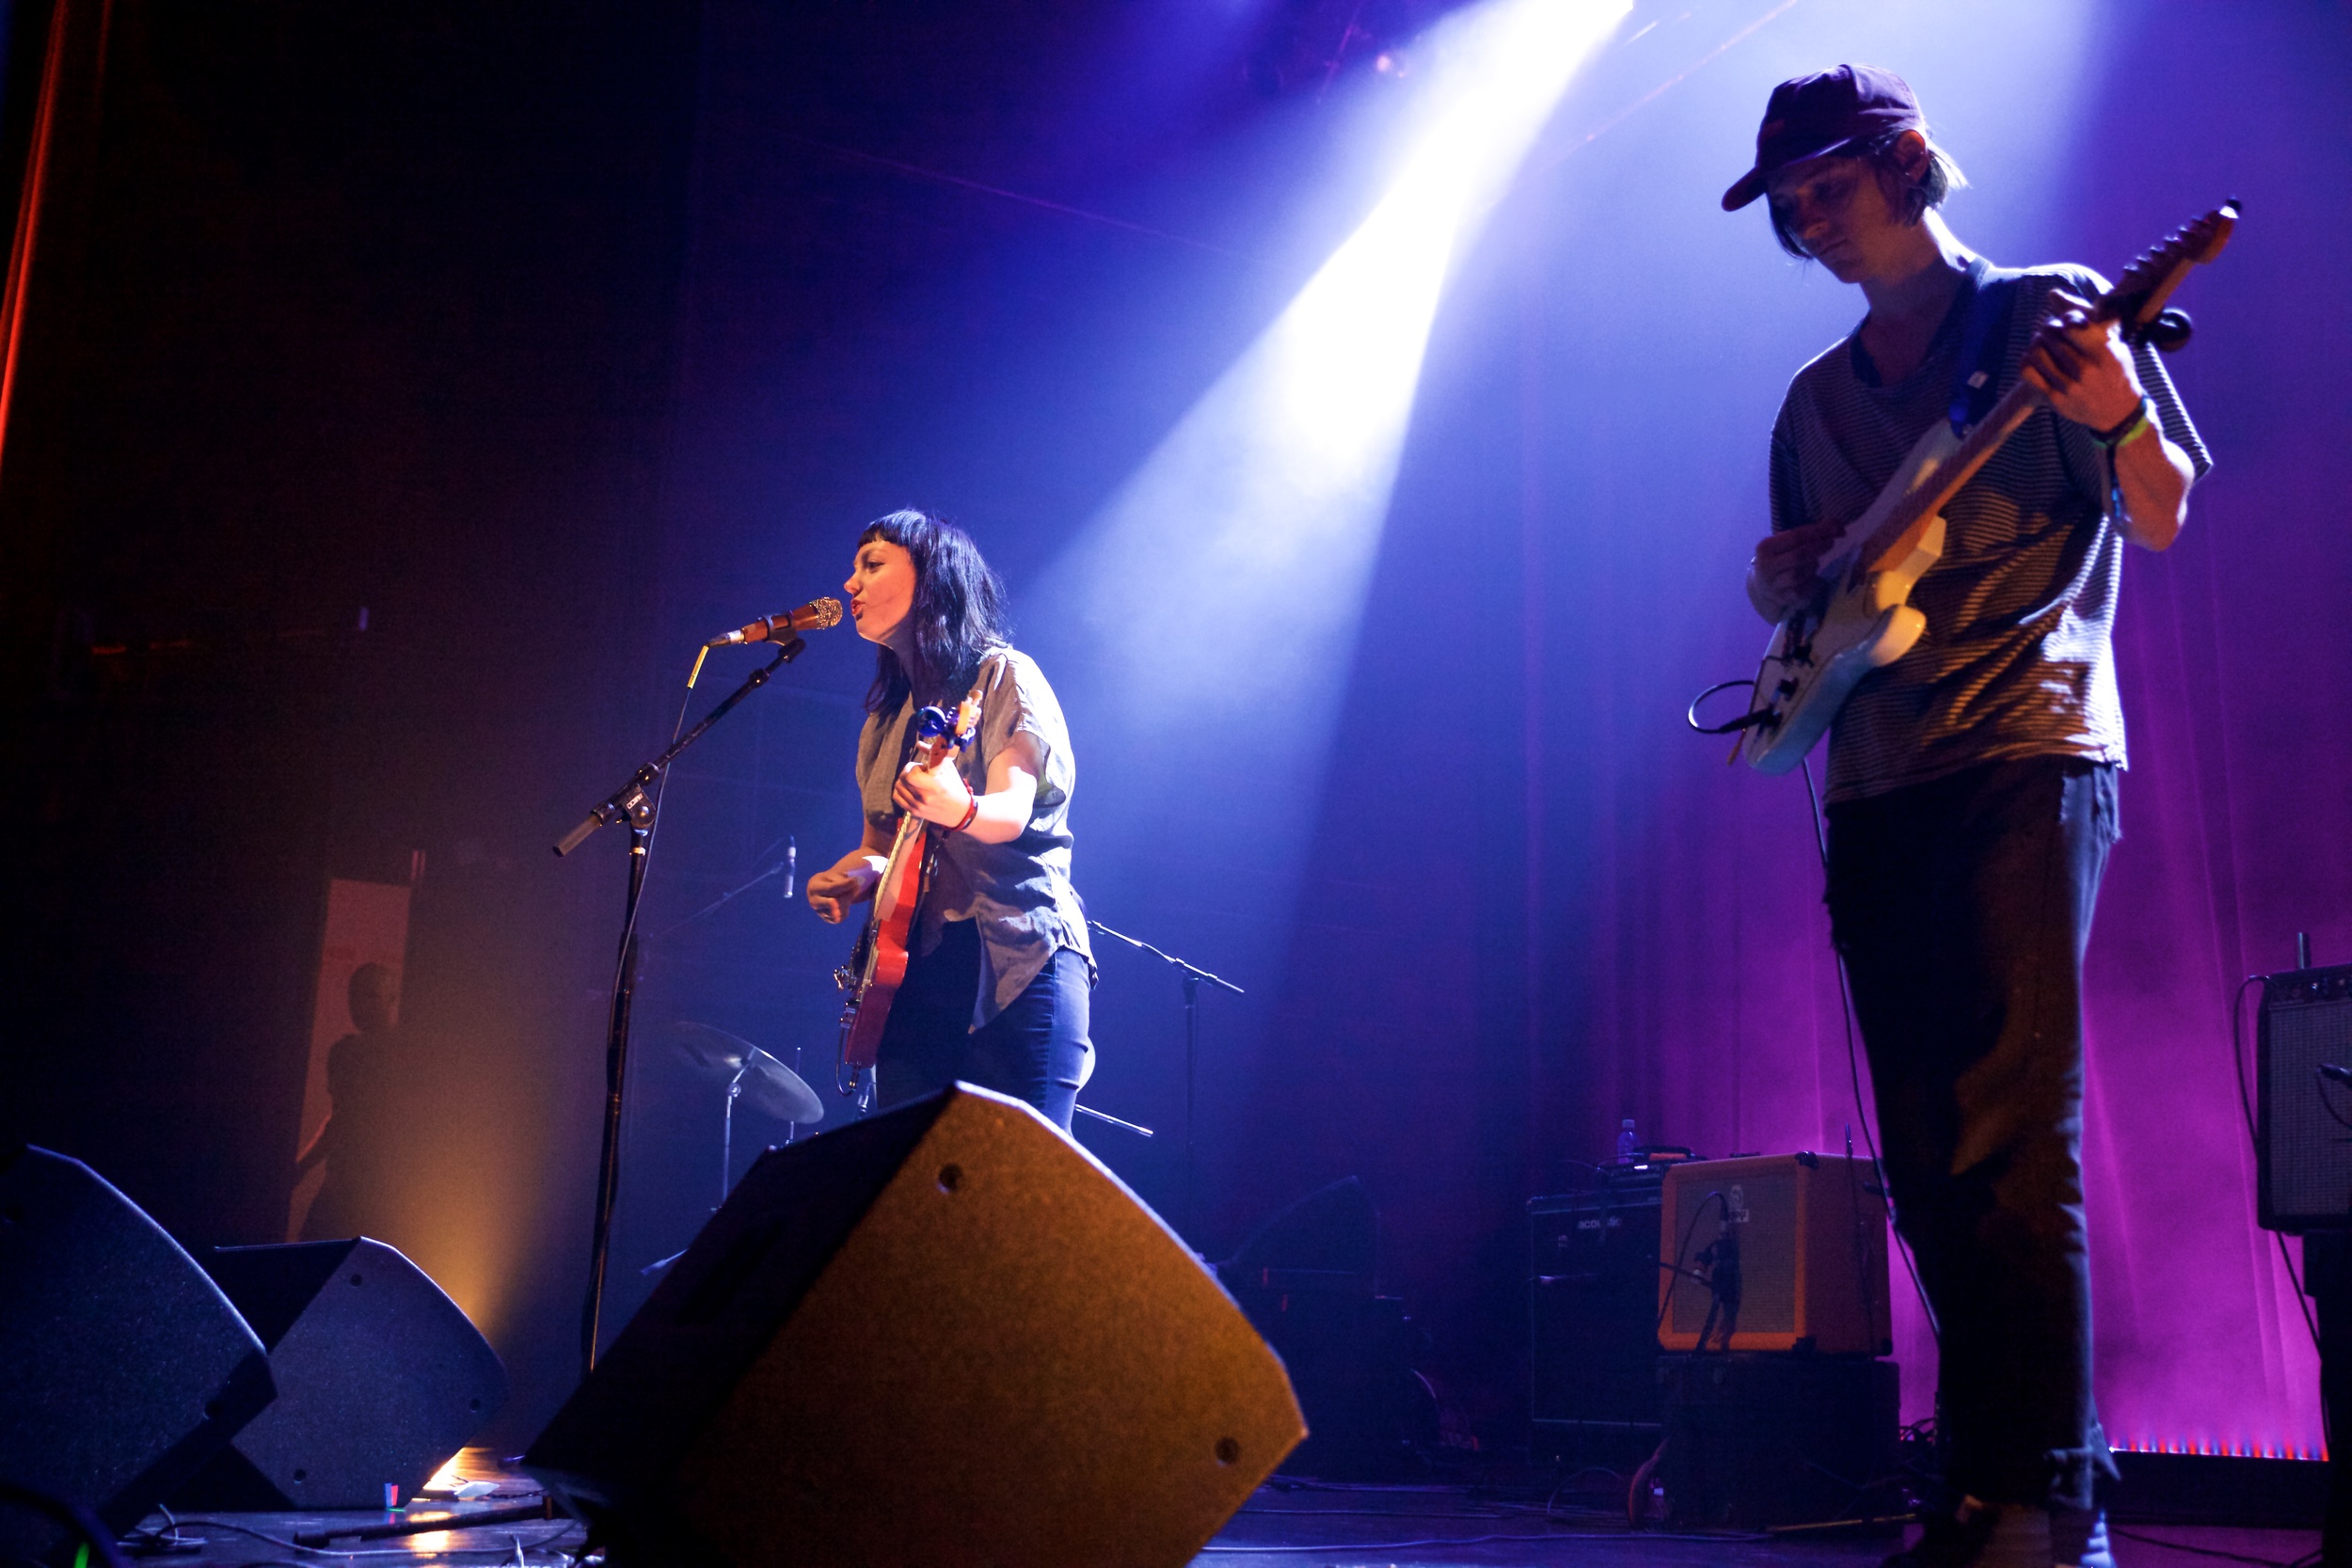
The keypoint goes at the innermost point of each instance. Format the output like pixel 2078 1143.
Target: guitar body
pixel 1865 620
pixel 880 960
pixel 1819 655
pixel 877 965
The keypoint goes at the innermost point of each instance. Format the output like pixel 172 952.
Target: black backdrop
pixel 336 308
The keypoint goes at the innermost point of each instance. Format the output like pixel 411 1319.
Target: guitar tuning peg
pixel 2171 330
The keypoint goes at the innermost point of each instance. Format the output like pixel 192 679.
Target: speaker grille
pixel 2305 1152
pixel 1764 1209
pixel 1811 1232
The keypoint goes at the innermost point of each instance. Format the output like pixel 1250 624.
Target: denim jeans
pixel 1036 1050
pixel 1962 908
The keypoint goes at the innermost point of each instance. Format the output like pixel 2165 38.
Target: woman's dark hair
pixel 958 614
pixel 1938 179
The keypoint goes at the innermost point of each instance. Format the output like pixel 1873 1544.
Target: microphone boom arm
pixel 629 802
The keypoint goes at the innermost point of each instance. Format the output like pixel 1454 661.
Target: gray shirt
pixel 2016 661
pixel 1019 892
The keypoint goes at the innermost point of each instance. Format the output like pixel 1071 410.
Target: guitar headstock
pixel 939 736
pixel 2138 296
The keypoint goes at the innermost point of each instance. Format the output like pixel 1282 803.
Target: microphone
pixel 815 615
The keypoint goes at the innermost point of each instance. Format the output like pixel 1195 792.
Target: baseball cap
pixel 1811 116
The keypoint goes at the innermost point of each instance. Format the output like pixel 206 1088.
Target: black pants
pixel 1036 1050
pixel 1962 908
pixel 2327 1278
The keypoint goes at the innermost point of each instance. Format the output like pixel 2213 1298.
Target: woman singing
pixel 999 968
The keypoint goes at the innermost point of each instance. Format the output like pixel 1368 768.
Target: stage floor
pixel 1285 1525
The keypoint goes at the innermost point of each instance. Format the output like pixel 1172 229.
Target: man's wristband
pixel 970 812
pixel 2141 420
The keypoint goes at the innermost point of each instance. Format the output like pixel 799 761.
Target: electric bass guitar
pixel 1863 619
pixel 877 964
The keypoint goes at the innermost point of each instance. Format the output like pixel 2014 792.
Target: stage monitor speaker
pixel 1808 1234
pixel 122 1366
pixel 944 1335
pixel 2304 1143
pixel 380 1378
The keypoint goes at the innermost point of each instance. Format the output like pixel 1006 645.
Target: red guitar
pixel 877 964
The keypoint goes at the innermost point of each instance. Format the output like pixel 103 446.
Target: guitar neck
pixel 2139 298
pixel 1899 535
pixel 910 841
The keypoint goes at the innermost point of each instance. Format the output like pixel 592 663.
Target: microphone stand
pixel 1193 975
pixel 633 805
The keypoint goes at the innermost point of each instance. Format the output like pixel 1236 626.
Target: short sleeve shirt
pixel 2017 659
pixel 1018 893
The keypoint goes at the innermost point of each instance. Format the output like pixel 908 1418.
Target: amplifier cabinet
pixel 1794 1244
pixel 2304 1148
pixel 1593 1310
pixel 1754 1441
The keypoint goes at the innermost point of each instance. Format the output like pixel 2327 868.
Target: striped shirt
pixel 2017 660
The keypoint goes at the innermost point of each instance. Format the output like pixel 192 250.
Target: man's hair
pixel 958 613
pixel 1940 179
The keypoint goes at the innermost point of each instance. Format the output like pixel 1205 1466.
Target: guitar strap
pixel 1976 374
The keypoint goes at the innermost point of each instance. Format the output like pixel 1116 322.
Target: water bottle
pixel 1629 1146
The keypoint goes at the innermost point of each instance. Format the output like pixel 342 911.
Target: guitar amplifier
pixel 1592 1289
pixel 1786 1252
pixel 2303 1146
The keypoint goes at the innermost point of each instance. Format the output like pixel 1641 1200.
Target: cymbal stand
pixel 727 1162
pixel 1194 974
pixel 633 805
pixel 726 1135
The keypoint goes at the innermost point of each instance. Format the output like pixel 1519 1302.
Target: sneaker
pixel 2079 1538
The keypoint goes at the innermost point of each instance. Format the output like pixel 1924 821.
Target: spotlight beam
pixel 1220 590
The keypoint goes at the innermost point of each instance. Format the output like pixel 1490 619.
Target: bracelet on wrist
pixel 970 812
pixel 2131 429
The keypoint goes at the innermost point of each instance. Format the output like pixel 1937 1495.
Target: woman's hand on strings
pixel 934 794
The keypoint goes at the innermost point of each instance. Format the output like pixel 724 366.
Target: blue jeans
pixel 1961 907
pixel 1036 1050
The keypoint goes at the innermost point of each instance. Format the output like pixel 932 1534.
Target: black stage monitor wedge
pixel 122 1366
pixel 941 1335
pixel 380 1378
pixel 2304 1147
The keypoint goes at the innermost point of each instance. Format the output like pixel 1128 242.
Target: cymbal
pixel 715 1049
pixel 769 1086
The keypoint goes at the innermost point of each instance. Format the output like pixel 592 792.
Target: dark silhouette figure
pixel 361 1137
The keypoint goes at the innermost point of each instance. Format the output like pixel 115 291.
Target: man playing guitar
pixel 1972 782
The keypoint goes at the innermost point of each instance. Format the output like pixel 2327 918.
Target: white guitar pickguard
pixel 1817 658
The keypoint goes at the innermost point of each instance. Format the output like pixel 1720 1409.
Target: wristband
pixel 2129 430
pixel 970 812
